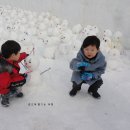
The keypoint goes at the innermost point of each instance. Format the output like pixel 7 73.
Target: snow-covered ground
pixel 48 106
pixel 59 111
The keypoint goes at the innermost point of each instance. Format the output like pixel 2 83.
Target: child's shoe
pixel 75 89
pixel 16 92
pixel 73 92
pixel 94 94
pixel 5 100
pixel 19 95
pixel 94 88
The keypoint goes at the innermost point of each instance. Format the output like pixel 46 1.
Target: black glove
pixel 24 75
pixel 81 68
pixel 27 54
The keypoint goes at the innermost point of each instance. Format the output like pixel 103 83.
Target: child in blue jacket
pixel 88 67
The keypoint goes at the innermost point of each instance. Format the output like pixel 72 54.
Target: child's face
pixel 90 51
pixel 15 57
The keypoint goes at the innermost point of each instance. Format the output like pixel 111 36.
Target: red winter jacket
pixel 9 73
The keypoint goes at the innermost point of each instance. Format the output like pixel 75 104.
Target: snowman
pixel 117 41
pixel 106 45
pixel 107 33
pixel 64 24
pixel 64 45
pixel 85 32
pixel 113 59
pixel 49 48
pixel 32 62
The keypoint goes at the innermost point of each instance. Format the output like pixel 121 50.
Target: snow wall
pixel 106 14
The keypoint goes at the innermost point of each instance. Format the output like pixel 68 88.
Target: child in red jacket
pixel 10 78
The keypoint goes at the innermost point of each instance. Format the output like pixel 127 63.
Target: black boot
pixel 14 91
pixel 5 100
pixel 19 95
pixel 94 88
pixel 75 88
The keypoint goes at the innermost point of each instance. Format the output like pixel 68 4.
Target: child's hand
pixel 27 55
pixel 82 66
pixel 87 76
pixel 24 75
